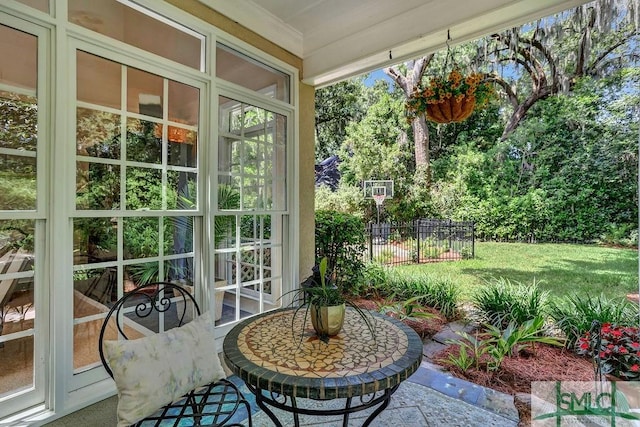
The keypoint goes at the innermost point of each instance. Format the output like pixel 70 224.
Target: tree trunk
pixel 408 83
pixel 421 141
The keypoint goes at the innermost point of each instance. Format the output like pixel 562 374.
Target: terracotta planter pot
pixel 327 321
pixel 451 110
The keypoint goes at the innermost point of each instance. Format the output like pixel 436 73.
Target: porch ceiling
pixel 341 38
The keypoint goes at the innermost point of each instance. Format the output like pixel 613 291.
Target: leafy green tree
pixel 551 55
pixel 336 107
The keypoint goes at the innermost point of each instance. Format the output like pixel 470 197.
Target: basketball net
pixel 379 199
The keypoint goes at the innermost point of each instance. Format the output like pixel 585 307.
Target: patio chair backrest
pixel 157 297
pixel 11 262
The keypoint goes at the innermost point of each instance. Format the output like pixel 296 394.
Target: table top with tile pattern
pixel 275 352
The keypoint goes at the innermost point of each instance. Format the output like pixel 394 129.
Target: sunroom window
pixel 249 228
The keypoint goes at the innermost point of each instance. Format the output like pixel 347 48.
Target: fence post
pixel 473 239
pixel 370 229
pixel 416 225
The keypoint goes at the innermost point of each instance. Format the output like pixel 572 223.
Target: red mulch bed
pixel 547 363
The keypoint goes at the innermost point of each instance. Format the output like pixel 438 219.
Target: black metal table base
pixel 289 404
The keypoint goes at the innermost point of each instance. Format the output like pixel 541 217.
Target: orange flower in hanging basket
pixel 450 100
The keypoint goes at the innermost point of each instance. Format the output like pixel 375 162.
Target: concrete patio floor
pixel 429 398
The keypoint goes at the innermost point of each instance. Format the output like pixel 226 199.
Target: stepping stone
pixel 448 331
pixel 430 348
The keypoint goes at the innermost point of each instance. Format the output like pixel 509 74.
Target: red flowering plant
pixel 618 351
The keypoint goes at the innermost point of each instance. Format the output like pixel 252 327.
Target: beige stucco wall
pixel 306 157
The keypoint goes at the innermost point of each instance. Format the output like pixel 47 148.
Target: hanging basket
pixel 449 99
pixel 451 109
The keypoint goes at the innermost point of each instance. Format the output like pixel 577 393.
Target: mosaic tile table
pixel 281 359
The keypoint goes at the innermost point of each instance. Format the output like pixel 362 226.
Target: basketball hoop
pixel 379 199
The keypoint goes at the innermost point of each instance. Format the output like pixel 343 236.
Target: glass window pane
pixel 183 146
pixel 97 186
pixel 21 70
pixel 140 274
pixel 238 68
pixel 18 119
pixel 16 358
pixel 184 103
pixel 144 93
pixel 94 289
pixel 178 234
pixel 144 189
pixel 224 231
pixel 179 271
pixel 144 141
pixel 118 21
pixel 98 80
pixel 17 183
pixel 97 134
pixel 182 190
pixel 17 311
pixel 141 237
pixel 41 5
pixel 94 240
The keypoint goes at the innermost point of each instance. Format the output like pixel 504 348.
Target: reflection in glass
pixel 17 182
pixel 144 189
pixel 224 231
pixel 91 69
pixel 226 303
pixel 144 93
pixel 97 186
pixel 18 121
pixel 183 146
pixel 238 68
pixel 140 274
pixel 16 359
pixel 94 240
pixel 178 235
pixel 143 30
pixel 141 237
pixel 181 190
pixel 179 271
pixel 94 290
pixel 41 5
pixel 17 259
pixel 85 341
pixel 144 141
pixel 184 103
pixel 255 227
pixel 97 134
pixel 19 53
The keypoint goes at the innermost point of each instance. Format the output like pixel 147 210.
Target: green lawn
pixel 560 268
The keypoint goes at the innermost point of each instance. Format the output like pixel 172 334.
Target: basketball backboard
pixel 378 187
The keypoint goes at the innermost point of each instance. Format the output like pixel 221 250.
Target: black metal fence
pixel 420 241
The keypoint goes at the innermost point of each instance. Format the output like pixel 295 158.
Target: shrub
pixel 347 199
pixel 384 257
pixel 501 302
pixel 499 343
pixel 374 281
pixel 617 349
pixel 340 238
pixel 574 314
pixel 466 252
pixel 440 294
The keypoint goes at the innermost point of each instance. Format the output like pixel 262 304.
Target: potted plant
pixel 325 303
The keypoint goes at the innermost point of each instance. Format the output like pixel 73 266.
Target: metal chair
pixel 214 404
